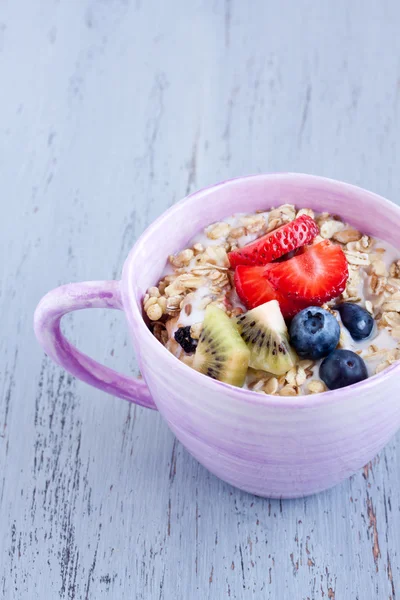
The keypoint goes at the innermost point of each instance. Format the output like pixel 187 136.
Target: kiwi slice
pixel 265 333
pixel 221 353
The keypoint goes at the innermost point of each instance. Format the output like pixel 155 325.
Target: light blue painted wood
pixel 110 112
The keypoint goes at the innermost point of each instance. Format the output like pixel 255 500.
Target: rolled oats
pixel 306 364
pixel 330 227
pixel 378 266
pixel 271 387
pixel 258 385
pixel 365 244
pixel 345 236
pixel 377 284
pixel 305 211
pixel 395 269
pixel 182 259
pixel 357 258
pixel 382 366
pixel 395 333
pixel 322 218
pixel 253 223
pixel 174 301
pixel 316 387
pixel 218 230
pixel 288 390
pixel 391 319
pixel 202 276
pixel 291 376
pixel 237 232
pixel 369 307
pixel 301 376
pixel 198 248
pixel 391 305
pixel 286 212
pixel 196 330
pixel 393 285
pixel 274 224
pixel 217 255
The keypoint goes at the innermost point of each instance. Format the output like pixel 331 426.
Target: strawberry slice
pixel 317 275
pixel 273 245
pixel 254 288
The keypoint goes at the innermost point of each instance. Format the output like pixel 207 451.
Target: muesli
pixel 282 302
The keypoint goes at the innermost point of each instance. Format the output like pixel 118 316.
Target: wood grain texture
pixel 111 110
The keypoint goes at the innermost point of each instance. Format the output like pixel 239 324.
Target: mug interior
pixel 170 233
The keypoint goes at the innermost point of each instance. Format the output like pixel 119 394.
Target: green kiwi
pixel 221 353
pixel 265 333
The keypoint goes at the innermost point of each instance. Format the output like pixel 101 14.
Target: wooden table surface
pixel 112 110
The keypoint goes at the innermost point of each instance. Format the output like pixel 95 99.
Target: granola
pixel 200 275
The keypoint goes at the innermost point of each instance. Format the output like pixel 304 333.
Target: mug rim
pixel 241 394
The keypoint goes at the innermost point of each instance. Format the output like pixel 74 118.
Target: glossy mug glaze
pixel 277 447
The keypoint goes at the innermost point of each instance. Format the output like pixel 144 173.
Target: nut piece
pixel 154 312
pixel 154 292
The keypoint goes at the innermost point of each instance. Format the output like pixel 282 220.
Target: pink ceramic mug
pixel 270 446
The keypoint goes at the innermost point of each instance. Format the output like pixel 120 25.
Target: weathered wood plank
pixel 110 112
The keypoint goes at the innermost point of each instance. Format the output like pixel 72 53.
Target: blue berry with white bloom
pixel 356 319
pixel 314 333
pixel 342 368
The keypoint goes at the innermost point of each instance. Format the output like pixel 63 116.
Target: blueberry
pixel 314 333
pixel 356 319
pixel 342 368
pixel 185 340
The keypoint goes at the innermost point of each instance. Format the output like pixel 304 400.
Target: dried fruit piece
pixel 185 340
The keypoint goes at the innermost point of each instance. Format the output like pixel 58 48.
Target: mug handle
pixel 76 296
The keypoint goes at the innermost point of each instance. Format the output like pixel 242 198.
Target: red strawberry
pixel 273 245
pixel 315 276
pixel 254 288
